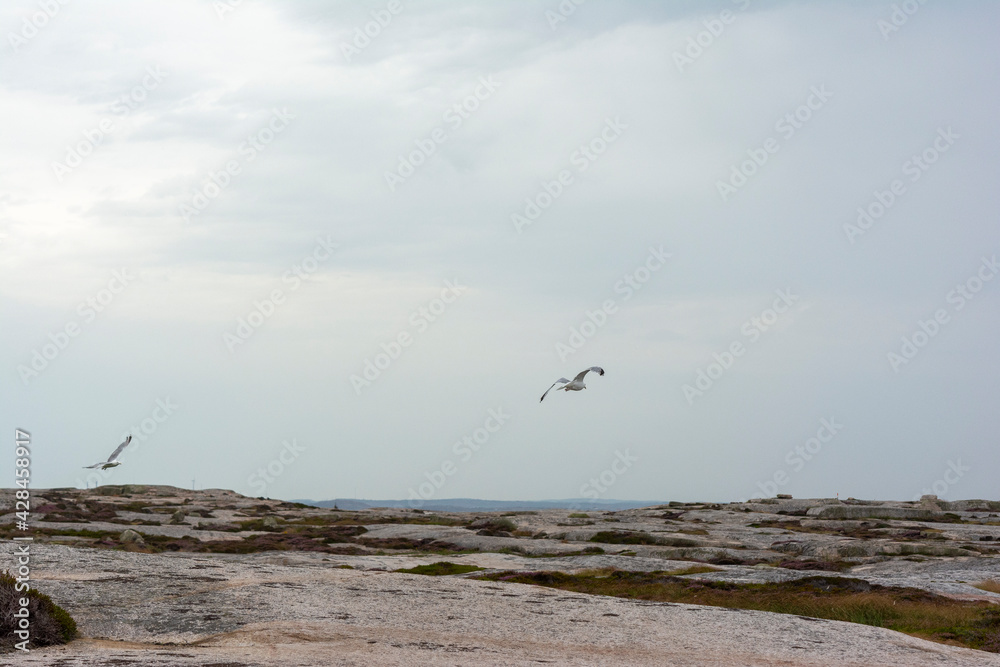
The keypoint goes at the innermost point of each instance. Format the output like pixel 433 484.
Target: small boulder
pixel 270 523
pixel 789 547
pixel 930 502
pixel 177 518
pixel 130 536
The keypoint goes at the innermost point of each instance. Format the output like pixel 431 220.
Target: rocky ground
pixel 164 576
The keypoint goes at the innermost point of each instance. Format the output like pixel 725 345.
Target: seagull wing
pixel 596 369
pixel 563 380
pixel 114 454
pixel 96 465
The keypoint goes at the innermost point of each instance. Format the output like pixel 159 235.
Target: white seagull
pixel 113 459
pixel 577 383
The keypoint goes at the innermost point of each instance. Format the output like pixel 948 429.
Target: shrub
pixel 639 537
pixel 493 526
pixel 440 569
pixel 49 623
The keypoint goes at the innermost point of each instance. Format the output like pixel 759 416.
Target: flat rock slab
pixel 872 512
pixel 164 530
pixel 142 609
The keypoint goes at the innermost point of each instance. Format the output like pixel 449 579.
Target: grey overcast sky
pixel 316 250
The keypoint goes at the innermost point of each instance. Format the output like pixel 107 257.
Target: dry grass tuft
pixel 991 585
pixel 913 611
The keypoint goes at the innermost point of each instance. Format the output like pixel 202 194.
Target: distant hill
pixel 479 505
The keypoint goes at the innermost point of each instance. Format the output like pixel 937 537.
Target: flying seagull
pixel 577 383
pixel 113 459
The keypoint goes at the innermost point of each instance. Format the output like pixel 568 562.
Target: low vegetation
pixel 991 585
pixel 623 537
pixel 640 537
pixel 342 537
pixel 404 543
pixel 863 530
pixel 913 611
pixel 822 565
pixel 499 526
pixel 48 622
pixel 346 519
pixel 588 551
pixel 441 569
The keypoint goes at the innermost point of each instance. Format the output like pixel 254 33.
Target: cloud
pixel 556 89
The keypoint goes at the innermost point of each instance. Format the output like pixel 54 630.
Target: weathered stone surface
pixel 255 611
pixel 972 506
pixel 302 608
pixel 872 512
pixel 129 536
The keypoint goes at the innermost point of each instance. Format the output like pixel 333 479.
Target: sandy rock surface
pixel 332 597
pixel 146 609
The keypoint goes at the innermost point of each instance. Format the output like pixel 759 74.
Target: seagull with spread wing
pixel 113 459
pixel 576 384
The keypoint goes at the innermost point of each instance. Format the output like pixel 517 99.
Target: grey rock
pixel 871 512
pixel 300 607
pixel 188 610
pixel 129 536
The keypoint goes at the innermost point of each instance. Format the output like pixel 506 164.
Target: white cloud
pixel 656 184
